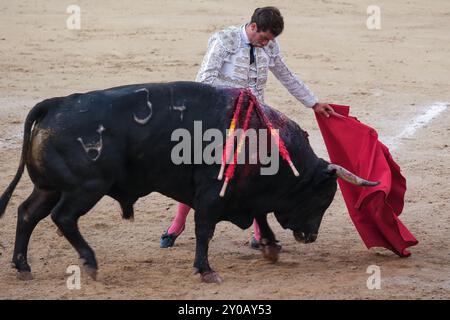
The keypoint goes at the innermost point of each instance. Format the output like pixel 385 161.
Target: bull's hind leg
pixel 69 209
pixel 30 212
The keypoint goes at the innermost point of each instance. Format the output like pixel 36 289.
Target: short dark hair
pixel 268 19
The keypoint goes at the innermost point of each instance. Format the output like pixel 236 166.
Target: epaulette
pixel 272 49
pixel 230 38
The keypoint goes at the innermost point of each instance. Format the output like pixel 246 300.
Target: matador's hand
pixel 323 108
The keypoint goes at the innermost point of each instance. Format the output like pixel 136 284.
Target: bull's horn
pixel 351 177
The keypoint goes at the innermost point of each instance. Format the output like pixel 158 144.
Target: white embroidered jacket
pixel 227 62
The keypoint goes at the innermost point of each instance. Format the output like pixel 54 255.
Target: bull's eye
pixel 93 153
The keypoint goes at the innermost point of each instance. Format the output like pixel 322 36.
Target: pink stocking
pixel 256 231
pixel 178 223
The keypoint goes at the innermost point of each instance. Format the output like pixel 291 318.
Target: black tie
pixel 252 54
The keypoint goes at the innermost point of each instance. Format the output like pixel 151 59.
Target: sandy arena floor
pixel 388 76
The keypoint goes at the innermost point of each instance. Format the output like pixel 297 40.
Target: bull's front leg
pixel 204 231
pixel 268 243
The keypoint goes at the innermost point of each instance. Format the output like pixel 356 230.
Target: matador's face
pixel 258 39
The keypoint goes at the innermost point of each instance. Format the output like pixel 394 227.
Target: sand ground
pixel 388 76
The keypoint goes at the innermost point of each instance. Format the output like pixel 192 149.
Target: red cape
pixel 373 210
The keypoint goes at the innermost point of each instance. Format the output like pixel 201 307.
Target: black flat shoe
pixel 254 244
pixel 167 240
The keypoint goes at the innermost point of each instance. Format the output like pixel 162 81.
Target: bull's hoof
pixel 211 277
pixel 270 252
pixel 24 275
pixel 254 244
pixel 91 272
pixel 59 232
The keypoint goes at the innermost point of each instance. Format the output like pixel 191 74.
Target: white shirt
pixel 227 62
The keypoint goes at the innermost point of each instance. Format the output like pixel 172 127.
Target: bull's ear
pixel 322 176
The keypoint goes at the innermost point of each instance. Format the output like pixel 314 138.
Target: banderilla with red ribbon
pixel 253 104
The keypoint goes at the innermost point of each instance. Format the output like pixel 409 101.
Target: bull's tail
pixel 38 111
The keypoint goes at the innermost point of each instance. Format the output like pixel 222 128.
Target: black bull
pixel 117 142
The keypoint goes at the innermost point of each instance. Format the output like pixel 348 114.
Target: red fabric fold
pixel 373 210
